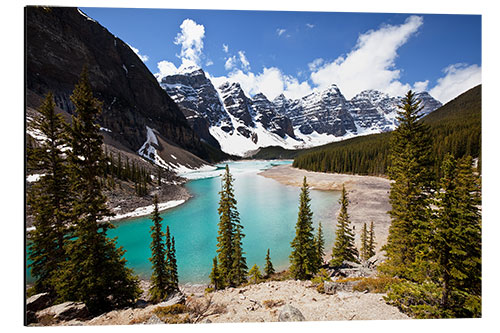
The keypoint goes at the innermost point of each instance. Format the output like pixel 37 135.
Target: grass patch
pixel 271 303
pixel 173 314
pixel 379 284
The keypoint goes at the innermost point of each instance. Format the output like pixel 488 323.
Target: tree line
pixel 72 259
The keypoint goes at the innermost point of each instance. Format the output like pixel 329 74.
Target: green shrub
pixel 173 314
pixel 419 300
pixel 271 303
pixel 319 280
pixel 379 284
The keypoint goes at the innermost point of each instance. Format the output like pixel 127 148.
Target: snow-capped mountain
pixel 240 124
pixel 324 112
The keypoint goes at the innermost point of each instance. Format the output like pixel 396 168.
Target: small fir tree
pixel 319 242
pixel 49 198
pixel 344 248
pixel 303 259
pixel 268 269
pixel 364 238
pixel 159 278
pixel 215 277
pixel 371 241
pixel 95 271
pixel 254 275
pixel 171 263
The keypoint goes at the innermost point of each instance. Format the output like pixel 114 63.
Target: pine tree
pixel 95 271
pixel 457 238
pixel 171 263
pixel 159 277
pixel 268 269
pixel 232 263
pixel 49 199
pixel 319 242
pixel 215 277
pixel 371 241
pixel 410 168
pixel 239 260
pixel 303 259
pixel 254 275
pixel 364 243
pixel 343 248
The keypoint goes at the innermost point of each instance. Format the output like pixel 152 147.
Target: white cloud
pixel 315 64
pixel 420 86
pixel 165 68
pixel 225 48
pixel 230 63
pixel 209 63
pixel 280 31
pixel 143 57
pixel 191 40
pixel 271 82
pixel 244 60
pixel 458 79
pixel 309 25
pixel 371 64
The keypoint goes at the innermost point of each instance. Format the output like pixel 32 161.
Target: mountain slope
pixel 455 127
pixel 61 41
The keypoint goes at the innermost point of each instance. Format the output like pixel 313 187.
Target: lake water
pixel 268 212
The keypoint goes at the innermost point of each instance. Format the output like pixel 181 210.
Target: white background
pixel 12 147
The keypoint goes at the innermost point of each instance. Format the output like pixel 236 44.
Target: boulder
pixel 334 287
pixel 290 313
pixel 154 320
pixel 38 302
pixel 176 298
pixel 65 311
pixel 376 260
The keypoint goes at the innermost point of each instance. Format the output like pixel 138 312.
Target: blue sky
pixel 298 52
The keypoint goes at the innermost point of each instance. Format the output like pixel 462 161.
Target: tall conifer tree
pixel 239 261
pixel 371 241
pixel 303 259
pixel 231 260
pixel 159 277
pixel 95 272
pixel 171 263
pixel 49 198
pixel 215 277
pixel 268 269
pixel 343 248
pixel 364 251
pixel 457 238
pixel 319 242
pixel 410 168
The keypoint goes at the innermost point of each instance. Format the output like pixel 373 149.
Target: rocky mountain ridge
pixel 241 124
pixel 61 41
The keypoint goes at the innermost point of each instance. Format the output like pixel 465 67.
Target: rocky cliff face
pixel 61 41
pixel 325 112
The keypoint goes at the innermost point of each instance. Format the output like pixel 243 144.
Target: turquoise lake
pixel 268 212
